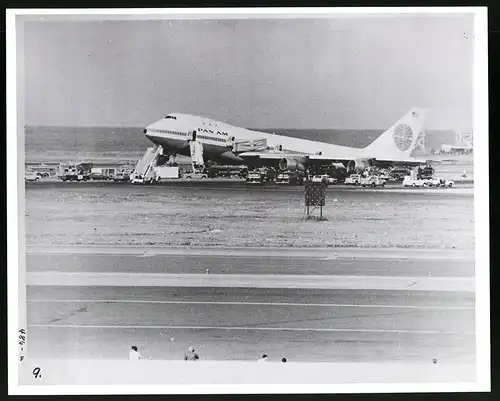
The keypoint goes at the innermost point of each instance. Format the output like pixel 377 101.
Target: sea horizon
pixel 55 140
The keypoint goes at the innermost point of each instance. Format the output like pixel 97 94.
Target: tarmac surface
pixel 259 264
pixel 239 184
pixel 372 323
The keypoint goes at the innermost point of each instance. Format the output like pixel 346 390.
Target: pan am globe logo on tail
pixel 403 137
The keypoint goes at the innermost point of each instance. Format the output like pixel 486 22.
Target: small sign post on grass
pixel 315 194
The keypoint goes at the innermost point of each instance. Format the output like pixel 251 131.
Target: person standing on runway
pixel 191 355
pixel 134 354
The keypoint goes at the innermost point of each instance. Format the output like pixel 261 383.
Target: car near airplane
pixel 31 176
pixel 373 181
pixel 410 181
pixel 324 178
pixel 227 144
pixel 438 182
pixel 353 179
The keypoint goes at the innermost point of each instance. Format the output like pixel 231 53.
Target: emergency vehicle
pixel 373 181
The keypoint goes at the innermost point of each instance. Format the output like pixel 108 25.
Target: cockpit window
pixel 172 117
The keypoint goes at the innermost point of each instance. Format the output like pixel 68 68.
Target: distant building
pixel 456 149
pixel 105 169
pixel 463 144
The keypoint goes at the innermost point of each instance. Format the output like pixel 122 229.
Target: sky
pixel 350 72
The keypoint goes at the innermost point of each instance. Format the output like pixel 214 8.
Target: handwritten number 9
pixel 36 373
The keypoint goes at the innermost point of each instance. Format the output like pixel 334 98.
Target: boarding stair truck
pixel 143 169
pixel 196 151
pixel 373 181
pixel 149 173
pixel 353 179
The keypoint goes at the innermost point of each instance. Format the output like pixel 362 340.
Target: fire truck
pixel 80 172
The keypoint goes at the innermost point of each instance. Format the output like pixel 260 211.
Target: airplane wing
pixel 401 161
pixel 317 159
pixel 392 147
pixel 270 156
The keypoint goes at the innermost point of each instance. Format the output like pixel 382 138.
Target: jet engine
pixel 358 164
pixel 291 164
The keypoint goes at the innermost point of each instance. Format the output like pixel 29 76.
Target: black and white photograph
pixel 215 201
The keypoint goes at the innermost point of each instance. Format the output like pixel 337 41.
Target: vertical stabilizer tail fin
pixel 400 139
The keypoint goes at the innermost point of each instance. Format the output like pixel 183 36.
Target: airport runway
pixel 228 322
pixel 254 264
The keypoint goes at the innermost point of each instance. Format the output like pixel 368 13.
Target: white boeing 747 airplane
pixel 227 144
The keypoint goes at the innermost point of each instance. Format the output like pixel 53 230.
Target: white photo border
pixel 15 198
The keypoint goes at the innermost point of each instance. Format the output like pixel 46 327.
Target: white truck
pixel 353 179
pixel 438 182
pixel 165 173
pixel 373 181
pixel 324 178
pixel 31 176
pixel 138 179
pixel 410 181
pixel 195 176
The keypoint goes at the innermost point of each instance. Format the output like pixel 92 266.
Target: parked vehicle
pixel 409 181
pixel 121 177
pixel 290 178
pixel 165 172
pixel 324 178
pixel 426 172
pixel 398 174
pixel 255 177
pixel 76 173
pixel 31 176
pixel 373 181
pixel 138 179
pixel 260 176
pixel 97 176
pixel 75 177
pixel 353 179
pixel 384 176
pixel 195 176
pixel 438 182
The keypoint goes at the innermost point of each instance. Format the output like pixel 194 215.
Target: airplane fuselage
pixel 173 133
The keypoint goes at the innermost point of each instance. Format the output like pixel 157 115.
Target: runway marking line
pixel 70 326
pixel 124 301
pixel 305 252
pixel 110 279
pixel 290 259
